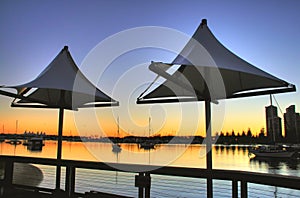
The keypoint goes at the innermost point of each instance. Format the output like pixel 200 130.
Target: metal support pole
pixel 70 181
pixel 208 147
pixel 59 147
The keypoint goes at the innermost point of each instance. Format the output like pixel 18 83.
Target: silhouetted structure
pixel 60 86
pixel 209 72
pixel 292 125
pixel 273 123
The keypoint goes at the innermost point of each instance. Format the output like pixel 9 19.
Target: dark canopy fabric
pixel 61 84
pixel 209 71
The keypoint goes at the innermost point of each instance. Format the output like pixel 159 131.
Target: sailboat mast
pixel 118 125
pixel 16 126
pixel 272 119
pixel 149 126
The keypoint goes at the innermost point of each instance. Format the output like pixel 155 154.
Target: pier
pixel 239 180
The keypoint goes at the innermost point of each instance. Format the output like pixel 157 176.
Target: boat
pixel 116 148
pixel 271 152
pixel 34 143
pixel 14 142
pixel 274 150
pixel 148 144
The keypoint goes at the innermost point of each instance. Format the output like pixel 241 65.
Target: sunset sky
pixel 264 33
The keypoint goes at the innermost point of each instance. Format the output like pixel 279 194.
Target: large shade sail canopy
pixel 209 71
pixel 60 85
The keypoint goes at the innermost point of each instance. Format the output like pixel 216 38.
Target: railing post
pixel 8 177
pixel 244 189
pixel 58 173
pixel 70 180
pixel 234 188
pixel 209 185
pixel 141 189
pixel 143 181
pixel 147 188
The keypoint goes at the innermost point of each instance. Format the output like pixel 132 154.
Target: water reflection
pixel 277 164
pixel 233 157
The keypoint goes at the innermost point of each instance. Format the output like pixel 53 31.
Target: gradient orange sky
pixel 248 114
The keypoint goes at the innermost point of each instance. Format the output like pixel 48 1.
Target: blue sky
pixel 264 33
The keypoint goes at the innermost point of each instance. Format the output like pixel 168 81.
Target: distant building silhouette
pixel 273 122
pixel 292 125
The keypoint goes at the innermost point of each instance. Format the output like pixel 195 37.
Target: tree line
pixel 242 138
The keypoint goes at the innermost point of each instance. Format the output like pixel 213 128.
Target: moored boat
pixel 271 152
pixel 116 148
pixel 14 142
pixel 147 145
pixel 35 143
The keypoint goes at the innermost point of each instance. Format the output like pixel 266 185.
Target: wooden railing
pixel 142 179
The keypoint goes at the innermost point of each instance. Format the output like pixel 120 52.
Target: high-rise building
pixel 298 127
pixel 292 125
pixel 273 122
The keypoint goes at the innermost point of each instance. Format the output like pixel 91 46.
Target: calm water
pixel 224 157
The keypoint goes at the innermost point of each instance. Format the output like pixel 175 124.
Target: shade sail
pixel 61 84
pixel 209 71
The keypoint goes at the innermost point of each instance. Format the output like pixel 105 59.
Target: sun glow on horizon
pixel 240 115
